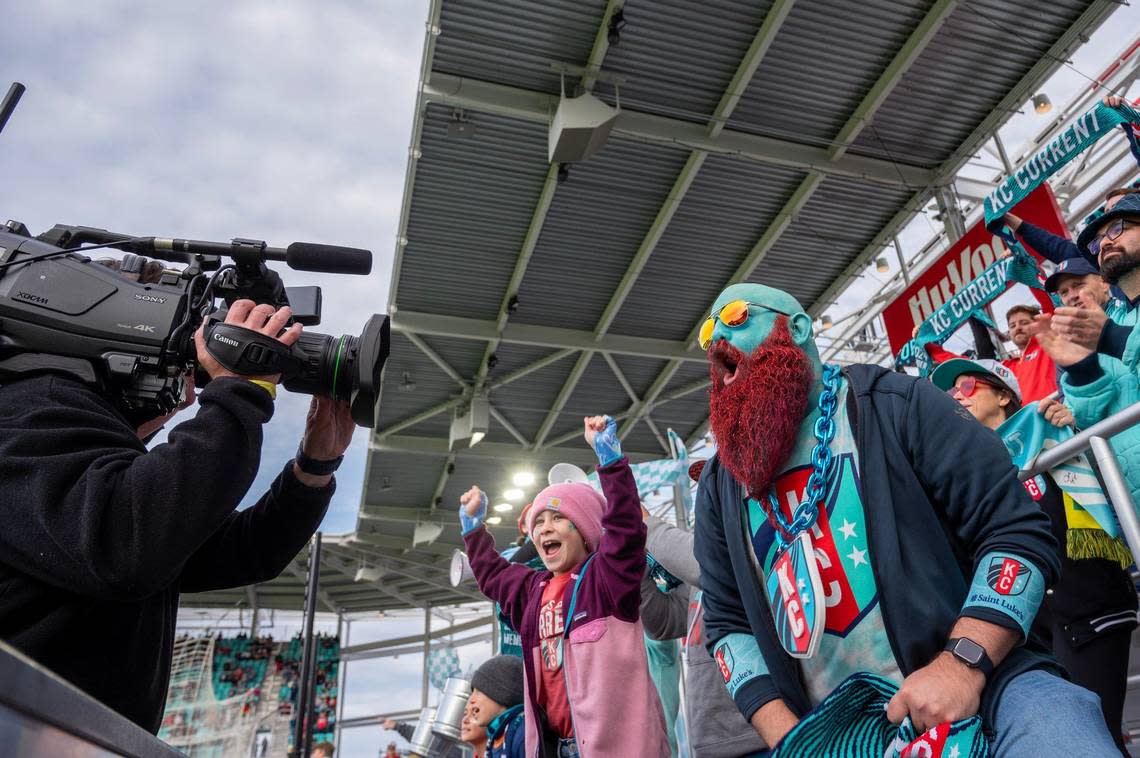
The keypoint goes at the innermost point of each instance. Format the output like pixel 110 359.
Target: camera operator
pixel 101 535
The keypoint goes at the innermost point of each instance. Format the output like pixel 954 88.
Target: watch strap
pixel 984 664
pixel 315 467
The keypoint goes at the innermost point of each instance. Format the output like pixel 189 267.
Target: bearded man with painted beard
pixel 858 520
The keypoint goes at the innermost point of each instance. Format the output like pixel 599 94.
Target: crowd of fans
pixel 1055 602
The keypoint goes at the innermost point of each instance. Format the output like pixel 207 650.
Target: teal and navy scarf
pixel 852 722
pixel 1081 135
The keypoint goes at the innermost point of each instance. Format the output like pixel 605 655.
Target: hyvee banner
pixel 961 264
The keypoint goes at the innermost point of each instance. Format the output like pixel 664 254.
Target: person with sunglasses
pixel 859 520
pixel 1088 616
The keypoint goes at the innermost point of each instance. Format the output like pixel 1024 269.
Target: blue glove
pixel 607 446
pixel 471 523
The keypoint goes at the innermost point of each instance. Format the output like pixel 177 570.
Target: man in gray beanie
pixel 496 703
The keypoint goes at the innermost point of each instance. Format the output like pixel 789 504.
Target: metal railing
pixel 1096 438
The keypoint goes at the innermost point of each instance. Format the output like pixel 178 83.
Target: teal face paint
pixel 755 330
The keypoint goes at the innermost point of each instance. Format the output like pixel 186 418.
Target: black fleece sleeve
pixel 90 510
pixel 255 545
pixel 1051 246
pixel 726 622
pixel 968 473
pixel 1113 339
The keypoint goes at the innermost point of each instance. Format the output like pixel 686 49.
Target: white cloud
pixel 281 120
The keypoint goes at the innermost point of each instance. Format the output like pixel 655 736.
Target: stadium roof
pixel 777 142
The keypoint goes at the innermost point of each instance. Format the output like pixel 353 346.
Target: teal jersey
pixel 854 638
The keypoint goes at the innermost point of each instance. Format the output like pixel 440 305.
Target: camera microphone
pixel 331 259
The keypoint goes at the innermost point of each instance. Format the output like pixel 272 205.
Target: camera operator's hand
pixel 328 432
pixel 262 318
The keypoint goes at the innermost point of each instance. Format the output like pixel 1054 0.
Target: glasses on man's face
pixel 968 386
pixel 734 313
pixel 1111 230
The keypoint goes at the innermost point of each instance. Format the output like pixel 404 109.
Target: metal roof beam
pixel 563 396
pixel 447 405
pixel 431 31
pixel 348 570
pixel 1057 54
pixel 322 595
pixel 743 75
pixel 436 446
pixel 890 77
pixel 435 634
pixel 541 336
pixel 527 105
pixel 538 218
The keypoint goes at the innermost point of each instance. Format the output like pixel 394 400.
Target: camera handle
pixel 246 352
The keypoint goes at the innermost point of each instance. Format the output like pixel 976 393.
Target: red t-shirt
pixel 551 687
pixel 1035 372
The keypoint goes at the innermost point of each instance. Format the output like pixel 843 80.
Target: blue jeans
pixel 1041 714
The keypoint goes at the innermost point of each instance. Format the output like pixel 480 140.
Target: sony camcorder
pixel 132 336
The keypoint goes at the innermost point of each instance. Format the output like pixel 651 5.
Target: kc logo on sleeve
pixel 1008 584
pixel 738 657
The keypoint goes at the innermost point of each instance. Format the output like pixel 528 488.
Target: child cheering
pixel 588 689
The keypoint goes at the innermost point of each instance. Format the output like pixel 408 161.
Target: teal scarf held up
pixel 1020 267
pixel 1083 132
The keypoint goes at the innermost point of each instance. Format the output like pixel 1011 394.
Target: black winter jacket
pixel 99 535
pixel 939 493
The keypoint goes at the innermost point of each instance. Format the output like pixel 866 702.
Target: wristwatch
pixel 972 654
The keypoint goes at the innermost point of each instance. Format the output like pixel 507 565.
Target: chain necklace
pixel 808 511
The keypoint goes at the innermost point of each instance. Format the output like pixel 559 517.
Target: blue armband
pixel 1007 584
pixel 739 659
pixel 607 446
pixel 471 523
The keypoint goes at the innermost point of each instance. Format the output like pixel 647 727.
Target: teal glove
pixel 471 523
pixel 607 446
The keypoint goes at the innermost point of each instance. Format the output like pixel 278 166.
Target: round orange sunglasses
pixel 734 313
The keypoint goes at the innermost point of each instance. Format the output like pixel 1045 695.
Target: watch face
pixel 969 651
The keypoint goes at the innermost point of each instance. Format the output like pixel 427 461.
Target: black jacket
pixel 939 493
pixel 100 536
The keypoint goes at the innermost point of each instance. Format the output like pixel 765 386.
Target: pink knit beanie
pixel 580 503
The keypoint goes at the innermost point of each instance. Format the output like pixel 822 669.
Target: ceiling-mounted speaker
pixel 580 128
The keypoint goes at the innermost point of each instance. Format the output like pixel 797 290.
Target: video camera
pixel 61 311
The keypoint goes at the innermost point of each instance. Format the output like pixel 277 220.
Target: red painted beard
pixel 756 405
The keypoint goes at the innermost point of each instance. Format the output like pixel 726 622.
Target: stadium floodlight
pixel 503 507
pixel 1042 104
pixel 523 478
pixel 882 266
pixel 826 322
pixel 495 520
pixel 513 494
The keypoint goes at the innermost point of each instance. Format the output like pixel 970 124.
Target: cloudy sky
pixel 284 121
